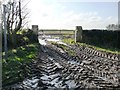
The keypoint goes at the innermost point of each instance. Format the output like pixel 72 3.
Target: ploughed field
pixel 55 68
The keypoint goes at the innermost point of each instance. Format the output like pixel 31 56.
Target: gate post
pixel 35 29
pixel 78 34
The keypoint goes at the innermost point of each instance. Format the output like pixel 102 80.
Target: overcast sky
pixel 62 14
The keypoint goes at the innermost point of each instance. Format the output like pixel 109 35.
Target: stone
pixel 35 29
pixel 78 34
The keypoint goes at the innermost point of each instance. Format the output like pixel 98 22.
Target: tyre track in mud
pixel 55 69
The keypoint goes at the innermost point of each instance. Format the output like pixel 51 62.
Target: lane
pixel 54 68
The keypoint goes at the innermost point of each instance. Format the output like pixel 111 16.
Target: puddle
pixel 42 42
pixel 58 65
pixel 71 83
pixel 45 77
pixel 74 62
pixel 50 58
pixel 27 84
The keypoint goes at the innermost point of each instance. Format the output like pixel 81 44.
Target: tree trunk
pixel 14 40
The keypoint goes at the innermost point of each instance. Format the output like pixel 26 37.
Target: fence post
pixel 5 30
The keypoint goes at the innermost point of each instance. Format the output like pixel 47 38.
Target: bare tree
pixel 15 20
pixel 112 27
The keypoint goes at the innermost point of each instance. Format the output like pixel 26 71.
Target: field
pixel 65 32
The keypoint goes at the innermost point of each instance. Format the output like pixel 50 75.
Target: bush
pixel 102 38
pixel 12 71
pixel 23 37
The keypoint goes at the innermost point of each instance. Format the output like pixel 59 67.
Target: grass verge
pixel 65 48
pixel 12 71
pixel 69 40
pixel 108 50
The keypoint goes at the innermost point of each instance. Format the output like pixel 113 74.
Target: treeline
pixel 102 38
pixel 15 23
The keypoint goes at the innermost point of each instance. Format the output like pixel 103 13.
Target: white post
pixel 5 30
pixel 1 45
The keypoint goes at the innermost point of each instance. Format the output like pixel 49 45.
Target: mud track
pixel 55 69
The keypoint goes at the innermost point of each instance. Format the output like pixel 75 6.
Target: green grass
pixel 69 40
pixel 16 58
pixel 65 48
pixel 108 50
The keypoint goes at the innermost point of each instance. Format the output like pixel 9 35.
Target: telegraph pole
pixel 5 30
